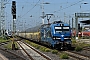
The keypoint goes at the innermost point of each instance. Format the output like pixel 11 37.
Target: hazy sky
pixel 29 11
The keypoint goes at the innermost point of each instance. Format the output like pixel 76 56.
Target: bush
pixel 78 48
pixel 47 50
pixel 37 47
pixel 42 48
pixel 64 56
pixel 2 40
pixel 54 51
pixel 9 45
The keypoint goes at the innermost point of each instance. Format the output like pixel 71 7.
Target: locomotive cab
pixel 61 34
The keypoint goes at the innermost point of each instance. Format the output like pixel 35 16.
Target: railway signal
pixel 14 9
pixel 14 14
pixel 14 18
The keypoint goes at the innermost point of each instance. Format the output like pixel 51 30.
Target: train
pixel 56 34
pixel 8 33
pixel 85 33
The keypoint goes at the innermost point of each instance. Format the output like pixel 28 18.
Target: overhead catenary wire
pixel 8 1
pixel 21 11
pixel 69 6
pixel 31 9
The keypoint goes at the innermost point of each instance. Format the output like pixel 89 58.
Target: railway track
pixel 77 55
pixel 7 54
pixel 3 43
pixel 32 53
pixel 86 48
pixel 2 57
pixel 10 55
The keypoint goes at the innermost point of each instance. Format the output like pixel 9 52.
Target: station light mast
pixel 2 18
pixel 43 13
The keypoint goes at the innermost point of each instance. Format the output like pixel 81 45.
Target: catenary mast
pixel 2 17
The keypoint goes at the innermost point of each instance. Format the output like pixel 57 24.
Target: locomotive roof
pixel 57 22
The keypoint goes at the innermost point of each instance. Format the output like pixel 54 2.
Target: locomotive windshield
pixel 59 29
pixel 66 29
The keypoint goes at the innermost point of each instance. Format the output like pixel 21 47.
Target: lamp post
pixel 81 4
pixel 82 18
pixel 25 28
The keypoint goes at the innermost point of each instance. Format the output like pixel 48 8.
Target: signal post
pixel 14 18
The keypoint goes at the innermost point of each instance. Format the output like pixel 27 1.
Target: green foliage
pixel 87 45
pixel 9 45
pixel 16 46
pixel 54 51
pixel 78 43
pixel 47 50
pixel 42 49
pixel 37 47
pixel 27 41
pixel 86 37
pixel 73 41
pixel 64 56
pixel 2 40
pixel 33 44
pixel 78 48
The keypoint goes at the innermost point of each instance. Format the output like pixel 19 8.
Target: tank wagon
pixel 56 34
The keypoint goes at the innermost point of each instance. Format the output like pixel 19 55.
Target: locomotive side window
pixel 42 32
pixel 49 34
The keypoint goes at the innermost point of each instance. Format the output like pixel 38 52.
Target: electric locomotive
pixel 56 34
pixel 61 34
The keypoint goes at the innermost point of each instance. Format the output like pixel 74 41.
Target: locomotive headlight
pixel 54 38
pixel 58 38
pixel 67 38
pixel 68 42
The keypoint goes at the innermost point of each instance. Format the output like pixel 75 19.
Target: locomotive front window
pixel 58 29
pixel 66 29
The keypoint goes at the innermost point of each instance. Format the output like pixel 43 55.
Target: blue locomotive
pixel 56 34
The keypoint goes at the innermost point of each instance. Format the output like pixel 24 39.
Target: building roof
pixel 86 22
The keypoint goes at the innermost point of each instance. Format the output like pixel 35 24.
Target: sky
pixel 29 12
